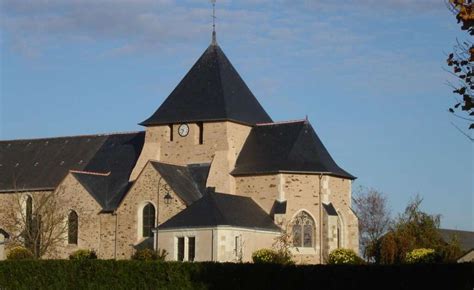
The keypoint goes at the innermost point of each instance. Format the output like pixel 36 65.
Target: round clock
pixel 183 130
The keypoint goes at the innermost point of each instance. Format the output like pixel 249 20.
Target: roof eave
pixel 27 189
pixel 161 123
pixel 267 172
pixel 276 229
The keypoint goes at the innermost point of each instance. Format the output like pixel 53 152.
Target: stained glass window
pixel 303 230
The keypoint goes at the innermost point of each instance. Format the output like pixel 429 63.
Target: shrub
pixel 20 253
pixel 149 255
pixel 83 255
pixel 122 274
pixel 270 256
pixel 421 255
pixel 344 256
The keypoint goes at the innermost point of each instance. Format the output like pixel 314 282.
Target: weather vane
pixel 214 39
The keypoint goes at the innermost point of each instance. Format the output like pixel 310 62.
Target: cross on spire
pixel 214 38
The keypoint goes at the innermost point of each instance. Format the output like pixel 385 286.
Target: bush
pixel 344 256
pixel 269 256
pixel 421 255
pixel 149 255
pixel 83 255
pixel 20 253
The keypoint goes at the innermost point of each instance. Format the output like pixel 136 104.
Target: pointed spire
pixel 214 37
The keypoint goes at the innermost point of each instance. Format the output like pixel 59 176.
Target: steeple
pixel 211 91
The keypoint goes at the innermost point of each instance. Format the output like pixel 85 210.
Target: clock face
pixel 183 130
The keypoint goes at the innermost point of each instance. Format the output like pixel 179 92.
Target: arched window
pixel 303 230
pixel 148 220
pixel 73 227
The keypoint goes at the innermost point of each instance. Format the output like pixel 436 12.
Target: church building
pixel 211 178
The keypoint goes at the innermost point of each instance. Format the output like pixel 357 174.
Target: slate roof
pixel 465 238
pixel 286 147
pixel 41 164
pixel 279 207
pixel 211 91
pixel 330 210
pixel 218 209
pixel 189 182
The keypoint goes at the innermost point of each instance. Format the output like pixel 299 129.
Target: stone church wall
pixel 73 196
pixel 302 193
pixel 238 244
pixel 2 247
pixel 222 144
pixel 149 187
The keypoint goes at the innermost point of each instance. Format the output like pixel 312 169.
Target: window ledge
pixel 303 251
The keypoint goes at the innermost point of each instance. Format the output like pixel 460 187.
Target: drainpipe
pixel 155 230
pixel 320 220
pixel 116 229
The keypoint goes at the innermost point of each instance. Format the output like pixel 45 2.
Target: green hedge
pixel 100 274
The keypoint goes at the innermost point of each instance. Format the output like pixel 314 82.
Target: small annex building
pixel 465 239
pixel 211 178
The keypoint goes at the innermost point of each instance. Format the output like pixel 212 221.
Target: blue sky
pixel 368 74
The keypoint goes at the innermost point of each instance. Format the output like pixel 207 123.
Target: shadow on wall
pixel 145 244
pixel 3 239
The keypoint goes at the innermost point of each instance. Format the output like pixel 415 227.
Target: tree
pixel 370 206
pixel 38 221
pixel 414 229
pixel 282 245
pixel 461 60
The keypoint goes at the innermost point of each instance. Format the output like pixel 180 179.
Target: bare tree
pixel 282 245
pixel 461 63
pixel 370 206
pixel 38 221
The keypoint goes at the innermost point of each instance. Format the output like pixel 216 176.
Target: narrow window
pixel 171 131
pixel 338 237
pixel 29 233
pixel 238 247
pixel 148 220
pixel 201 132
pixel 29 210
pixel 340 231
pixel 181 249
pixel 73 227
pixel 191 248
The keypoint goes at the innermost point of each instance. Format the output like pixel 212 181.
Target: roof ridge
pixel 90 172
pixel 166 163
pixel 281 122
pixel 298 136
pixel 72 136
pixel 454 230
pixel 215 48
pixel 212 197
